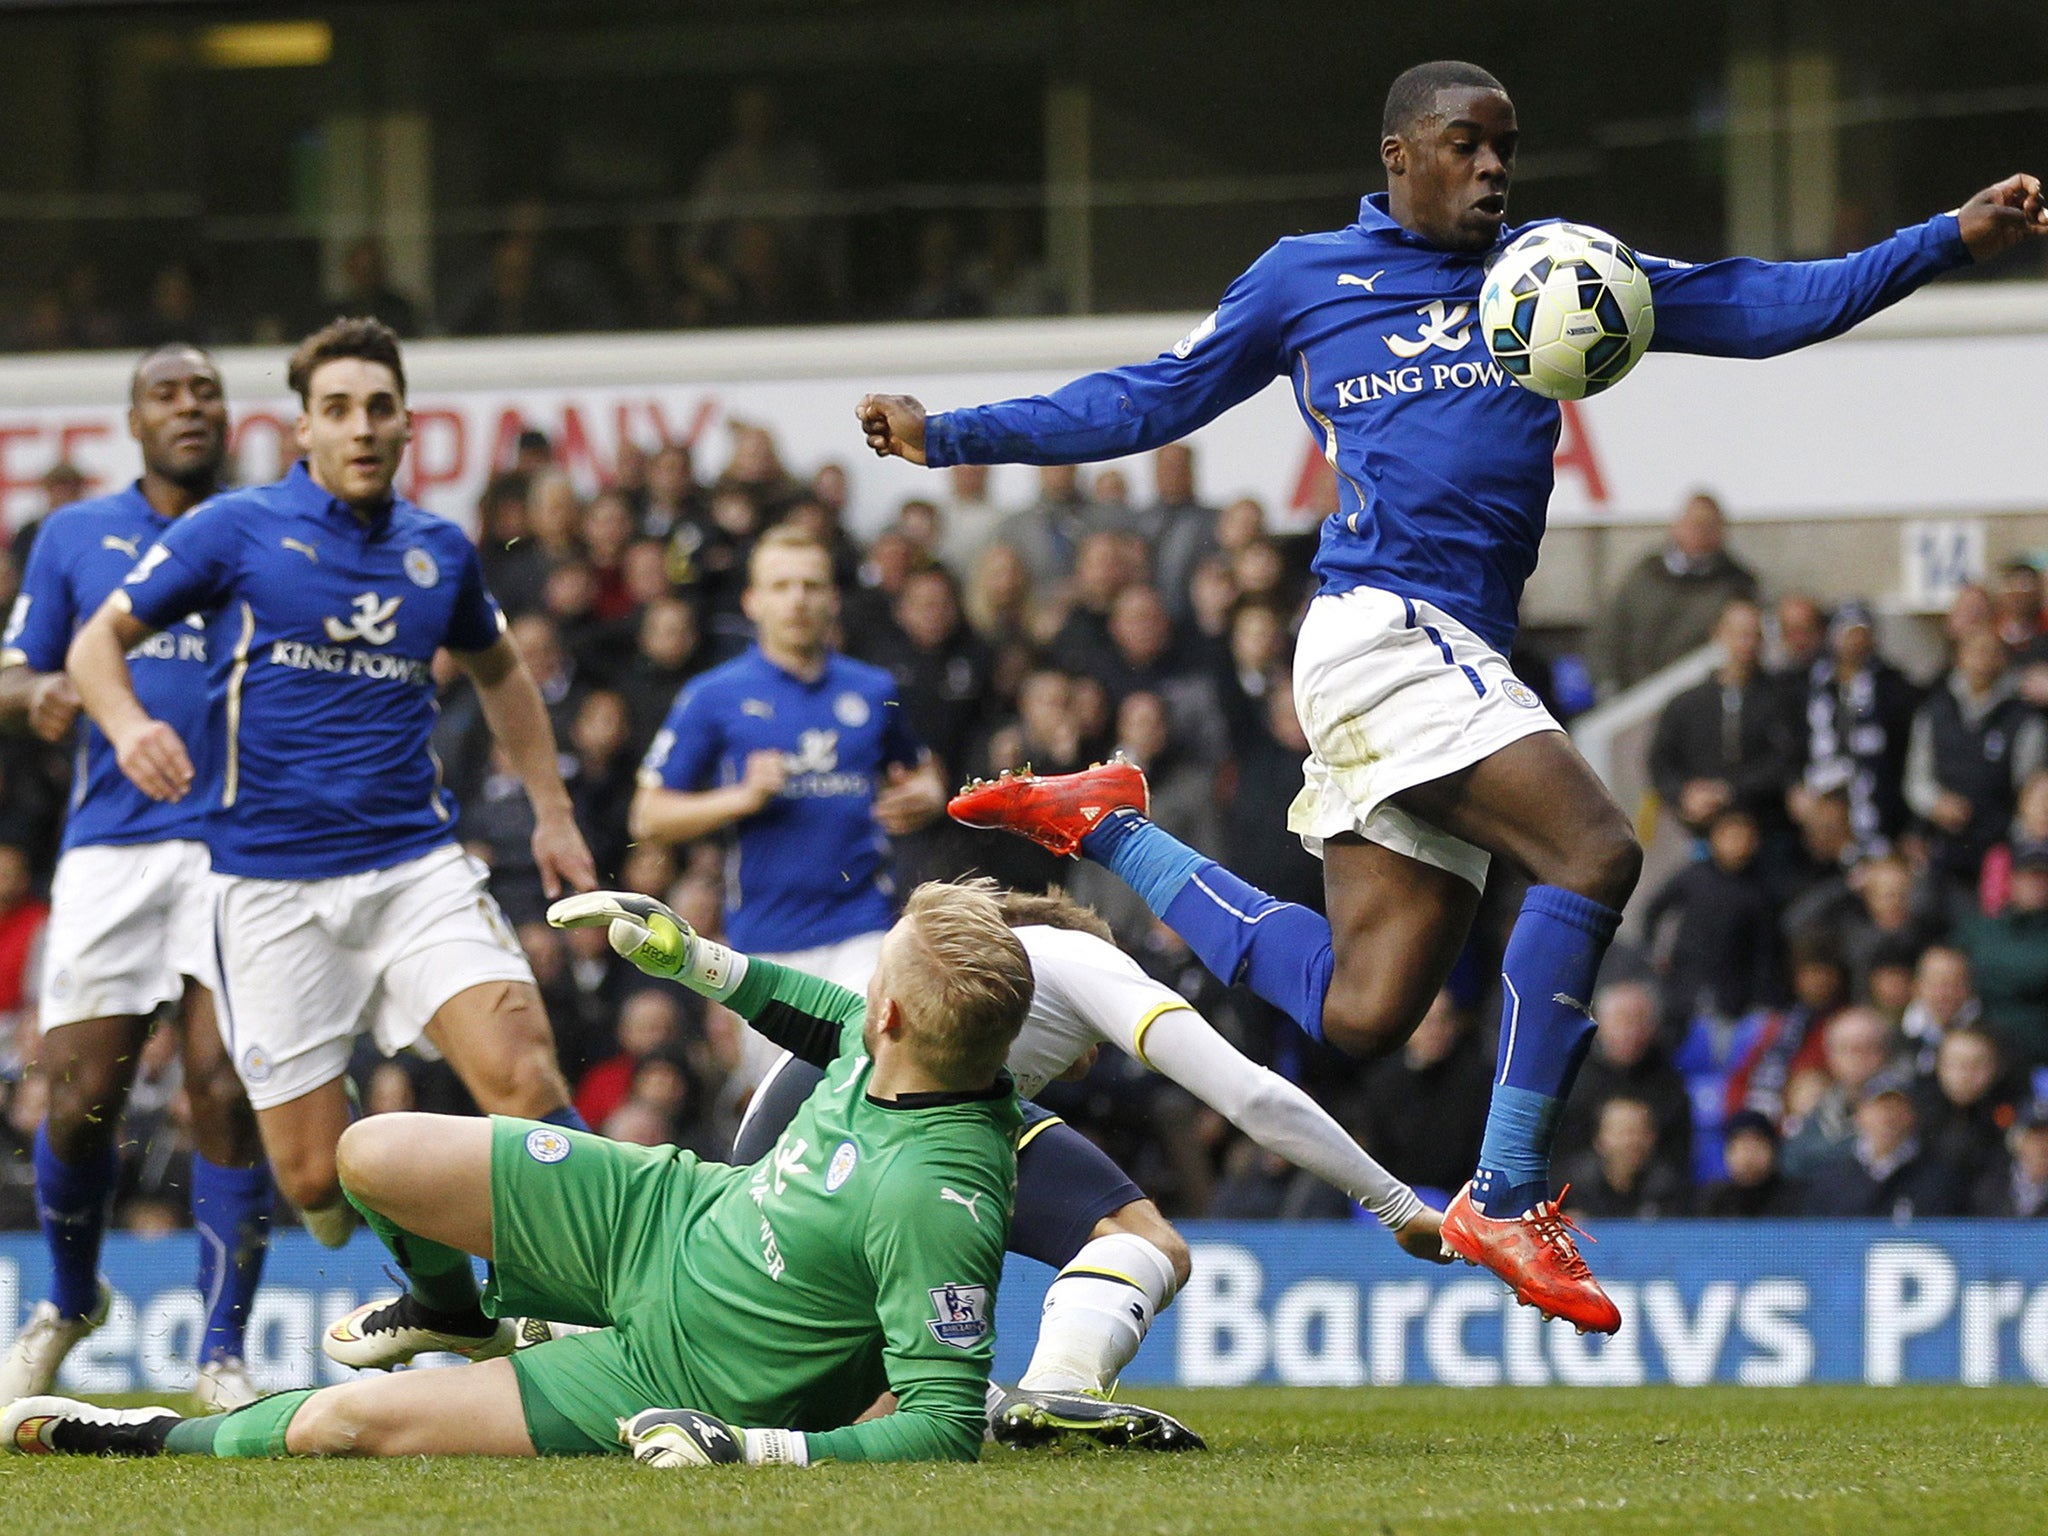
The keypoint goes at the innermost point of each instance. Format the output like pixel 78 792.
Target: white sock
pixel 1097 1312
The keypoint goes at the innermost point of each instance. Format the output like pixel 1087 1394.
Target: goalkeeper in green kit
pixel 742 1314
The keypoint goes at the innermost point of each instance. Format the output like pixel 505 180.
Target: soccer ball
pixel 1566 310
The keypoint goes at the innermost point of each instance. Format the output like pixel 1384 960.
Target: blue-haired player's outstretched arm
pixel 1427 756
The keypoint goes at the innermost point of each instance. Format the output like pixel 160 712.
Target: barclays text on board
pixel 1320 1304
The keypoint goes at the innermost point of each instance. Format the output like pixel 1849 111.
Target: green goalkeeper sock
pixel 441 1278
pixel 257 1430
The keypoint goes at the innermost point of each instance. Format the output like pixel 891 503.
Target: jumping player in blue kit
pixel 1427 756
pixel 342 903
pixel 130 925
pixel 805 756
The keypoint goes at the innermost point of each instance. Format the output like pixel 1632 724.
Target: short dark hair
pixel 361 336
pixel 1052 908
pixel 1413 93
pixel 165 349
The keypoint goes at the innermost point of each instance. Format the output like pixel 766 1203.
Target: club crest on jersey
pixel 420 569
pixel 1519 692
pixel 546 1146
pixel 851 710
pixel 816 752
pixel 372 619
pixel 841 1168
pixel 255 1065
pixel 963 1319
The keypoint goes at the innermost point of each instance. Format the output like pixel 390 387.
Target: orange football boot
pixel 1054 810
pixel 1534 1252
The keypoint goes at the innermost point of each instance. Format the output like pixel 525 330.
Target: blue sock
pixel 231 1211
pixel 1547 975
pixel 71 1199
pixel 1280 950
pixel 567 1118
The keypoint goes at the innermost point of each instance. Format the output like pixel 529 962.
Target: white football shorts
pixel 307 965
pixel 128 923
pixel 1394 692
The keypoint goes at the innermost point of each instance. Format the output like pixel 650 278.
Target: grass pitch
pixel 1850 1460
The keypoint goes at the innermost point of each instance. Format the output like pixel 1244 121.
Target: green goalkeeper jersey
pixel 861 1255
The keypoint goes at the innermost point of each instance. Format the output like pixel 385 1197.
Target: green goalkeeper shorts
pixel 587 1230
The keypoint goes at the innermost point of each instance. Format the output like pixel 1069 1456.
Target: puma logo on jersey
pixel 1442 326
pixel 957 1198
pixel 129 547
pixel 307 550
pixel 371 621
pixel 1353 280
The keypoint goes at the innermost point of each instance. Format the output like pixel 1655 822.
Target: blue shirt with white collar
pixel 1443 462
pixel 811 867
pixel 322 627
pixel 80 556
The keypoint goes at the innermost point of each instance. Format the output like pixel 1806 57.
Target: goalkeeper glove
pixel 656 941
pixel 685 1437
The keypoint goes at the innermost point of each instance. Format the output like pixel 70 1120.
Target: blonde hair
pixel 962 980
pixel 781 537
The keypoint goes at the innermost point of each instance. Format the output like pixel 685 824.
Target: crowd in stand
pixel 1841 1003
pixel 754 241
pixel 1839 1006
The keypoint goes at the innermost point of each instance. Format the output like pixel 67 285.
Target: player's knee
pixel 1169 1242
pixel 223 1124
pixel 523 1081
pixel 371 1155
pixel 86 1096
pixel 335 1421
pixel 1368 1018
pixel 307 1170
pixel 1141 1218
pixel 520 1075
pixel 80 1124
pixel 1605 863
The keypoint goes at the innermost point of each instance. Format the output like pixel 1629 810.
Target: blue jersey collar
pixel 1374 219
pixel 760 659
pixel 302 493
pixel 132 495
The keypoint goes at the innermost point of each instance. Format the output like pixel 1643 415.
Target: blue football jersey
pixel 82 553
pixel 1443 463
pixel 812 866
pixel 323 630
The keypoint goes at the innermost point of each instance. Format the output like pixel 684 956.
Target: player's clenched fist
pixel 52 706
pixel 766 773
pixel 894 424
pixel 2001 216
pixel 155 760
